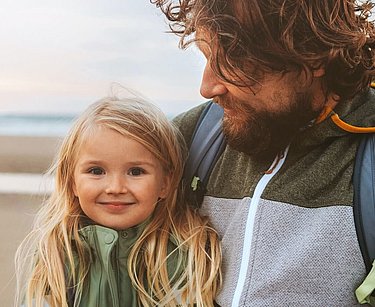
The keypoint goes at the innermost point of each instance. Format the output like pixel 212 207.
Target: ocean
pixel 38 125
pixel 35 125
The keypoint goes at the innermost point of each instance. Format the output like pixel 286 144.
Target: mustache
pixel 227 102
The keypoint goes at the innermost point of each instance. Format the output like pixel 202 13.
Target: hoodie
pixel 288 235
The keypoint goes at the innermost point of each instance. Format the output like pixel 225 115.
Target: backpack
pixel 208 144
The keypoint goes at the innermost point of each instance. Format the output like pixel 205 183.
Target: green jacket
pixel 288 237
pixel 108 283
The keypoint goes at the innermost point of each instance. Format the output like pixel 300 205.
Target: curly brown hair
pixel 251 37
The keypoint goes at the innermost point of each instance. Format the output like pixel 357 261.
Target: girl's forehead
pixel 100 135
pixel 90 135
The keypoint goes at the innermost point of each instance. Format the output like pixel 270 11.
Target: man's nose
pixel 211 84
pixel 116 184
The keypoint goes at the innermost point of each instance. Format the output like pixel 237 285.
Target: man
pixel 281 194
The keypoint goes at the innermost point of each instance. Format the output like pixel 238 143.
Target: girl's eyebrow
pixel 90 161
pixel 134 162
pixel 140 162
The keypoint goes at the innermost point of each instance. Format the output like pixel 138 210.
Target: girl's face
pixel 117 180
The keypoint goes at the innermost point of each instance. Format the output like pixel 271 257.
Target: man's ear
pixel 166 186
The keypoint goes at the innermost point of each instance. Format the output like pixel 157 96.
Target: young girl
pixel 115 231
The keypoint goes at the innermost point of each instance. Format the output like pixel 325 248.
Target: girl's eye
pixel 136 171
pixel 96 171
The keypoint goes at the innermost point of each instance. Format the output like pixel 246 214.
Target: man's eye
pixel 136 171
pixel 96 171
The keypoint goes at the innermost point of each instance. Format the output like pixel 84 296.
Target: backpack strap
pixel 206 147
pixel 364 214
pixel 364 198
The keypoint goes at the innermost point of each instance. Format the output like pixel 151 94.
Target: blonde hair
pixel 44 256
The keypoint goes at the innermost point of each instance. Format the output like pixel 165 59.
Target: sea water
pixel 39 125
pixel 35 125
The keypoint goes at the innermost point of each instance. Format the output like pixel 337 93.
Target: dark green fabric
pixel 318 169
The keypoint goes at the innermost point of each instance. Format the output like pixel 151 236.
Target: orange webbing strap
pixel 349 128
pixel 324 114
pixel 341 124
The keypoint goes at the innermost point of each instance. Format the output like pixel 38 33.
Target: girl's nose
pixel 116 185
pixel 211 85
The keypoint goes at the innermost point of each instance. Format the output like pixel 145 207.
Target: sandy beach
pixel 23 160
pixel 26 154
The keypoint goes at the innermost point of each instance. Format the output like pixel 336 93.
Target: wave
pixel 35 125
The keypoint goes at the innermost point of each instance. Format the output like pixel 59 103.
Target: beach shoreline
pixel 23 161
pixel 27 154
pixel 17 212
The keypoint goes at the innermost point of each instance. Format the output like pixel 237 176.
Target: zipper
pixel 260 187
pixel 116 270
pixel 111 267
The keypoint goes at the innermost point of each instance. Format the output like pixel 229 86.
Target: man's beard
pixel 263 134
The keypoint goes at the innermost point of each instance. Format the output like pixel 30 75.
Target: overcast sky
pixel 60 56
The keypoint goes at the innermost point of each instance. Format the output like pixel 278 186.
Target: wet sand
pixel 27 154
pixel 16 215
pixel 23 160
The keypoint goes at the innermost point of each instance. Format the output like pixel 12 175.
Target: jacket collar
pixel 359 111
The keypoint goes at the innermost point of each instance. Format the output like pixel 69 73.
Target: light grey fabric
pixel 299 256
pixel 228 217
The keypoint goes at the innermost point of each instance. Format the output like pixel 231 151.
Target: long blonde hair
pixel 46 254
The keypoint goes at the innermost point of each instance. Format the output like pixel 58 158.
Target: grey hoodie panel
pixel 228 217
pixel 299 256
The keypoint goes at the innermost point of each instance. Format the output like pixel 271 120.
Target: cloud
pixel 54 51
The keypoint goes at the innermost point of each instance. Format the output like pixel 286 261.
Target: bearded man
pixel 281 194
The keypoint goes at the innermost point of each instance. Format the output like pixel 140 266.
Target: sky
pixel 60 56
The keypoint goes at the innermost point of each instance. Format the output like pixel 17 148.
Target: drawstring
pixel 275 163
